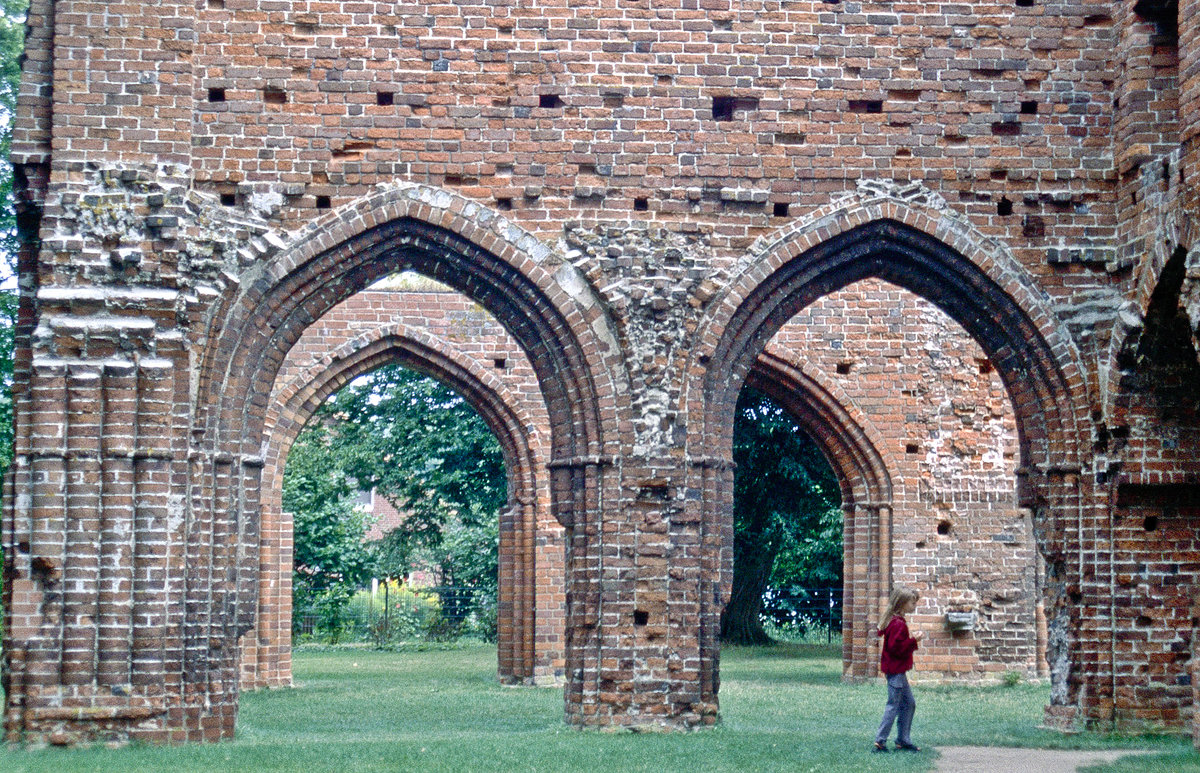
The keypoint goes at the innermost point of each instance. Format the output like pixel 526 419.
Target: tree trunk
pixel 740 623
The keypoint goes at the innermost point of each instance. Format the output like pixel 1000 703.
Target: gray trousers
pixel 899 709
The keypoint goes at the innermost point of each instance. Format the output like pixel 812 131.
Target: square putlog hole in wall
pixel 780 209
pixel 844 368
pixel 727 108
pixel 552 101
pixel 912 448
pixel 324 202
pixel 641 205
pixel 216 95
pixel 866 106
pixel 385 98
pixel 274 96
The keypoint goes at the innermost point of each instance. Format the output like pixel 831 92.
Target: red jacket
pixel 896 656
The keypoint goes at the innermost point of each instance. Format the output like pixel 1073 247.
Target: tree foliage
pixel 787 521
pixel 419 444
pixel 12 41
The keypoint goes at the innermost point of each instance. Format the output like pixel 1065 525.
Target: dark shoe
pixel 879 747
pixel 908 747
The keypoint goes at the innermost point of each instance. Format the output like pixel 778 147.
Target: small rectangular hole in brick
pixel 641 204
pixel 912 448
pixel 229 199
pixel 586 168
pixel 324 202
pixel 216 95
pixel 274 96
pixel 1024 3
pixel 1006 128
pixel 1004 207
pixel 844 368
pixel 866 106
pixel 552 101
pixel 504 204
pixel 722 108
pixel 216 3
pixel 453 179
pixel 1029 107
pixel 500 362
pixel 985 366
pixel 780 209
pixel 904 95
pixel 640 617
pixel 790 138
pixel 385 98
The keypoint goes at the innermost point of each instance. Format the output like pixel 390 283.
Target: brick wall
pixel 956 532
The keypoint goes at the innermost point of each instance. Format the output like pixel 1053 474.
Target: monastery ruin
pixel 645 206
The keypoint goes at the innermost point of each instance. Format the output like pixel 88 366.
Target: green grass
pixel 783 708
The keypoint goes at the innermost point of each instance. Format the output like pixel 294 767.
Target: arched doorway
pixel 266 655
pixel 984 293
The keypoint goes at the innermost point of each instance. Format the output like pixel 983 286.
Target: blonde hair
pixel 900 596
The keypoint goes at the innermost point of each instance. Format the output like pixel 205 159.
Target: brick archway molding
pixel 468 248
pixel 266 658
pixel 940 257
pixel 155 656
pixel 856 452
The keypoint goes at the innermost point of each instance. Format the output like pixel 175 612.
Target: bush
pixel 407 614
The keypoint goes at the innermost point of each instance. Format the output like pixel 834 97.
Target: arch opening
pixel 1016 338
pixel 368 331
pixel 261 320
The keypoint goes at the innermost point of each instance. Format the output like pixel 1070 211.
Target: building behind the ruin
pixel 643 195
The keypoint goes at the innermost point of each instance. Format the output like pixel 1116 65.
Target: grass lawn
pixel 783 708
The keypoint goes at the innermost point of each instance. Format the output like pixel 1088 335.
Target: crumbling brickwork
pixel 643 195
pixel 952 508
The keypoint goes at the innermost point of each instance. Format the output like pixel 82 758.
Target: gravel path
pixel 991 759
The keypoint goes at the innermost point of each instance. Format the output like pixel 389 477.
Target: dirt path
pixel 992 759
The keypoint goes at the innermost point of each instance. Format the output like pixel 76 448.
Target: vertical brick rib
pixel 116 525
pixel 151 548
pixel 80 587
pixel 47 536
pixel 220 565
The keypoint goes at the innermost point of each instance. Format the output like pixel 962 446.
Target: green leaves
pixel 419 444
pixel 787 517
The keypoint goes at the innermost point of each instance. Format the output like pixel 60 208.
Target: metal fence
pixel 804 609
pixel 446 612
pixel 386 616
